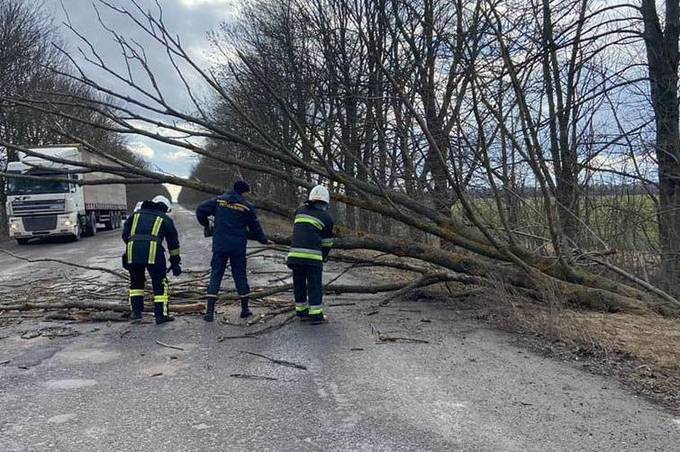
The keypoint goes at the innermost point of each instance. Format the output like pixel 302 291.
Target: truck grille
pixel 45 205
pixel 41 223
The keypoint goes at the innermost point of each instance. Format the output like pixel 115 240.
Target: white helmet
pixel 138 206
pixel 320 193
pixel 163 200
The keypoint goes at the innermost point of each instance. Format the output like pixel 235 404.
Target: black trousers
pixel 238 271
pixel 159 282
pixel 307 287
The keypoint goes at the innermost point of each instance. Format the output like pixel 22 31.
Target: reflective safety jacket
pixel 312 236
pixel 235 223
pixel 144 233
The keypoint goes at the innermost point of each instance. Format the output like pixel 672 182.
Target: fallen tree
pixel 470 250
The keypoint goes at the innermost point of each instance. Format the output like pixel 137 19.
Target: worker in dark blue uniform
pixel 143 235
pixel 310 245
pixel 235 222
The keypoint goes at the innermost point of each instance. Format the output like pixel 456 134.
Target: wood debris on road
pixel 280 362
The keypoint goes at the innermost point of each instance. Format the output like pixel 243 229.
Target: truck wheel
pixel 93 224
pixel 90 228
pixel 77 235
pixel 22 241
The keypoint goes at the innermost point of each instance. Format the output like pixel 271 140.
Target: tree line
pixel 29 56
pixel 408 110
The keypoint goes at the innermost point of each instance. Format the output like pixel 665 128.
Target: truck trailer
pixel 39 208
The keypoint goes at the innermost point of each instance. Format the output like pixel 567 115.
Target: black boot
pixel 316 315
pixel 245 312
pixel 159 310
pixel 210 310
pixel 136 307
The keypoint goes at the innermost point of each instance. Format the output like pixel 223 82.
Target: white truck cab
pixel 45 208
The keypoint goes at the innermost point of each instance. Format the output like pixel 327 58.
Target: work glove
pixel 124 259
pixel 175 265
pixel 208 231
pixel 176 269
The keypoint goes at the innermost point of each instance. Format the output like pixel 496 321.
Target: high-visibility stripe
pixel 301 308
pixel 135 222
pixel 327 243
pixel 302 218
pixel 308 221
pixel 129 251
pixel 166 287
pixel 306 250
pixel 313 257
pixel 243 206
pixel 174 252
pixel 314 310
pixel 136 292
pixel 157 226
pixel 165 297
pixel 133 229
pixel 153 248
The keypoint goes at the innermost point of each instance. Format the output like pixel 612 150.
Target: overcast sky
pixel 190 19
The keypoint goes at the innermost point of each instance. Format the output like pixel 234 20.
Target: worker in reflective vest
pixel 311 242
pixel 143 234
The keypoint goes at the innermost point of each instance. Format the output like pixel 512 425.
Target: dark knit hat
pixel 241 187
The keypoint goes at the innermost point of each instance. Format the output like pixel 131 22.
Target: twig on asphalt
pixel 59 261
pixel 253 377
pixel 174 347
pixel 408 340
pixel 385 338
pixel 239 336
pixel 280 362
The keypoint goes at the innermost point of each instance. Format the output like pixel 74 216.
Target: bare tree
pixel 406 109
pixel 661 42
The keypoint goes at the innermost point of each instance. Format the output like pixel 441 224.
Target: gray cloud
pixel 190 19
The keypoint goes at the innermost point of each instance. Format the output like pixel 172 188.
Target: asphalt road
pixel 470 388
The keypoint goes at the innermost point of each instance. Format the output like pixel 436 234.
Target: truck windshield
pixel 16 186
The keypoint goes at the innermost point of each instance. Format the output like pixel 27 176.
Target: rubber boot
pixel 245 312
pixel 210 310
pixel 316 315
pixel 302 313
pixel 136 306
pixel 158 309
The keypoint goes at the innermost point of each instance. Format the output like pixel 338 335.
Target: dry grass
pixel 650 339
